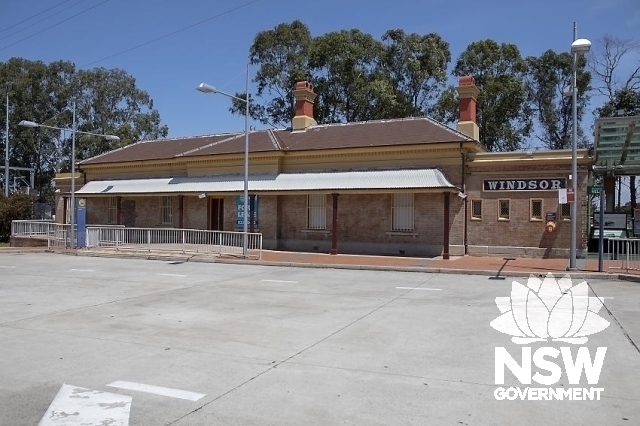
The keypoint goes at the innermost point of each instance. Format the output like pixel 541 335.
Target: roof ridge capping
pixel 113 150
pixel 209 145
pixel 391 120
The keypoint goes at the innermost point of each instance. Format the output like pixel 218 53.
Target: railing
pixel 56 234
pixel 221 243
pixel 31 228
pixel 623 253
pixel 59 236
pixel 176 240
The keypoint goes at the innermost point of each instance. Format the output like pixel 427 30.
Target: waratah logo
pixel 547 309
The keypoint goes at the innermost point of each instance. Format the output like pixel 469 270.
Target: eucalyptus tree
pixel 343 65
pixel 550 78
pixel 503 109
pixel 282 57
pixel 108 101
pixel 356 76
pixel 615 65
pixel 37 92
pixel 417 68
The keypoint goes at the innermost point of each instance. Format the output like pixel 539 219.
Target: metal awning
pixel 417 179
pixel 617 145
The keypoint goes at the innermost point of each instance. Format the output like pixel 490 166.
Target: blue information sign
pixel 81 222
pixel 240 212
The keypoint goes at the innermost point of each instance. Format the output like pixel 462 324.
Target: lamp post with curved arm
pixel 73 130
pixel 580 46
pixel 207 88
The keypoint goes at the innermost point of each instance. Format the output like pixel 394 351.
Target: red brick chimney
pixel 304 94
pixel 467 97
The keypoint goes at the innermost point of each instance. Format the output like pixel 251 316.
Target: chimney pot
pixel 466 80
pixel 304 96
pixel 467 97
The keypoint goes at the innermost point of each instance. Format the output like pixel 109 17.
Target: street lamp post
pixel 6 153
pixel 579 46
pixel 207 88
pixel 73 130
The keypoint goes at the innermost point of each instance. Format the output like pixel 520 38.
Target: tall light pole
pixel 6 152
pixel 579 46
pixel 207 88
pixel 73 130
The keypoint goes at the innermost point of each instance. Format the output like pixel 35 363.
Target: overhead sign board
pixel 524 184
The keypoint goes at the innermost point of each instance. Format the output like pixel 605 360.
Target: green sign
pixel 594 190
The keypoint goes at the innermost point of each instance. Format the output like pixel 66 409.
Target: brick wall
pixel 520 231
pixel 195 212
pixel 366 220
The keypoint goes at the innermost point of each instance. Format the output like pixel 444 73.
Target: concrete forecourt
pixel 123 341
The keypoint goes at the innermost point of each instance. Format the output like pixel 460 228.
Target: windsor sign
pixel 524 184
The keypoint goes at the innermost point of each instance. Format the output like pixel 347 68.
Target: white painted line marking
pixel 7 267
pixel 172 275
pixel 158 390
pixel 279 281
pixel 74 405
pixel 419 288
pixel 82 270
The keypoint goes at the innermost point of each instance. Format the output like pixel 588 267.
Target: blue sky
pixel 94 32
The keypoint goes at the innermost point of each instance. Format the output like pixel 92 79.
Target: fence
pixel 623 253
pixel 219 243
pixel 31 228
pixel 56 234
pixel 181 240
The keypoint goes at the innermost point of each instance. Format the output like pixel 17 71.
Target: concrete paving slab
pixel 272 345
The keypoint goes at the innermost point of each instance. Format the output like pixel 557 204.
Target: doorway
pixel 216 222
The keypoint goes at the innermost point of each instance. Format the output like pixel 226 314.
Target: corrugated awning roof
pixel 316 181
pixel 617 145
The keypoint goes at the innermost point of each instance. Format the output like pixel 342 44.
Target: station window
pixel 316 211
pixel 504 209
pixel 402 212
pixel 565 211
pixel 535 210
pixel 476 209
pixel 113 210
pixel 166 211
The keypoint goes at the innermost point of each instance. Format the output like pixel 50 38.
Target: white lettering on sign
pixel 524 184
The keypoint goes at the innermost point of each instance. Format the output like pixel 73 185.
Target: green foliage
pixel 108 101
pixel 550 76
pixel 625 102
pixel 417 67
pixel 345 81
pixel 283 56
pixel 356 77
pixel 17 206
pixel 503 109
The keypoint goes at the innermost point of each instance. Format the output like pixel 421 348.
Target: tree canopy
pixel 550 83
pixel 107 101
pixel 356 76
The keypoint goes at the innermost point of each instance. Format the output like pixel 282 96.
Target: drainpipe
pixel 465 200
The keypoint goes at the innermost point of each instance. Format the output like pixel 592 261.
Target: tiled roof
pixel 332 136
